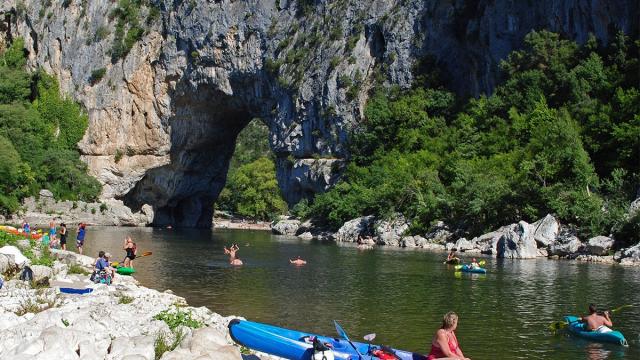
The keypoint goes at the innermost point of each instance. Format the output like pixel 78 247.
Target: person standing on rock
pixel 130 248
pixel 26 228
pixel 52 232
pixel 63 236
pixel 80 237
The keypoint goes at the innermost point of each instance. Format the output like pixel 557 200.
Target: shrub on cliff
pixel 39 132
pixel 560 135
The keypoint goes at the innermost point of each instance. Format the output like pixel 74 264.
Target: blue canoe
pixel 296 345
pixel 469 269
pixel 576 327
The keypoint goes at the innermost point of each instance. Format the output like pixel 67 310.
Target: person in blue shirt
pixel 80 237
pixel 26 228
pixel 102 264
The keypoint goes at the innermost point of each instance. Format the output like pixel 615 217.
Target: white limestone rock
pixel 352 229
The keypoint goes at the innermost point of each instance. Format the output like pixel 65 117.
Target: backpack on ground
pixel 27 274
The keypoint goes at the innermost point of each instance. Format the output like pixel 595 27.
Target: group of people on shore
pixel 50 237
pixel 234 260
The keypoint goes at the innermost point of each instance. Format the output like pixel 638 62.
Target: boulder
pixel 408 241
pixel 545 230
pixel 464 245
pixel 420 241
pixel 306 236
pixel 41 273
pixel 285 227
pixel 630 256
pixel 18 259
pixel 45 193
pixel 352 229
pixel 390 231
pixel 136 347
pixel 439 234
pixel 567 243
pixel 634 207
pixel 23 244
pixel 72 258
pixel 517 242
pixel 6 263
pixel 600 245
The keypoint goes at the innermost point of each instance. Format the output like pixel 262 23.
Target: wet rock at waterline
pixel 390 231
pixel 286 227
pixel 600 245
pixel 353 229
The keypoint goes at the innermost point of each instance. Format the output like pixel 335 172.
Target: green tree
pixel 253 190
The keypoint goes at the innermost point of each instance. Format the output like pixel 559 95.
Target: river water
pixel 399 295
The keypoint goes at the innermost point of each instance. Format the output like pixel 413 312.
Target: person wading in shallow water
pixel 298 262
pixel 444 344
pixel 236 261
pixel 232 251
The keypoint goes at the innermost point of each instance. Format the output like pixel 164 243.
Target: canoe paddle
pixel 558 325
pixel 146 253
pixel 343 334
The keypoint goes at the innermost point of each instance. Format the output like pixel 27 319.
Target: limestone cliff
pixel 164 117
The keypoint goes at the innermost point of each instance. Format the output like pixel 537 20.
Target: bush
pixel 176 318
pixel 77 269
pixel 558 136
pixel 97 75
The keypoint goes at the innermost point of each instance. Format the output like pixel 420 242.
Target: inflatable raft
pixel 577 328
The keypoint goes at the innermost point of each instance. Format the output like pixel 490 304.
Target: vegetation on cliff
pixel 561 135
pixel 39 132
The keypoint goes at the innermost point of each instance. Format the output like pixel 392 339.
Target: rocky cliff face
pixel 164 118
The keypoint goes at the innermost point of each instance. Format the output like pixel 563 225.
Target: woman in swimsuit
pixel 444 344
pixel 130 248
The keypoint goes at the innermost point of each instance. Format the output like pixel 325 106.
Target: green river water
pixel 398 294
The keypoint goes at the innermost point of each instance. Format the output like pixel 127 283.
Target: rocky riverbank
pixel 40 211
pixel 123 320
pixel 546 237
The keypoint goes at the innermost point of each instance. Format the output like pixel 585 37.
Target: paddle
pixel 146 253
pixel 343 334
pixel 558 325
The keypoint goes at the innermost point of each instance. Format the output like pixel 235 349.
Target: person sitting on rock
pixel 298 262
pixel 596 322
pixel 103 268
